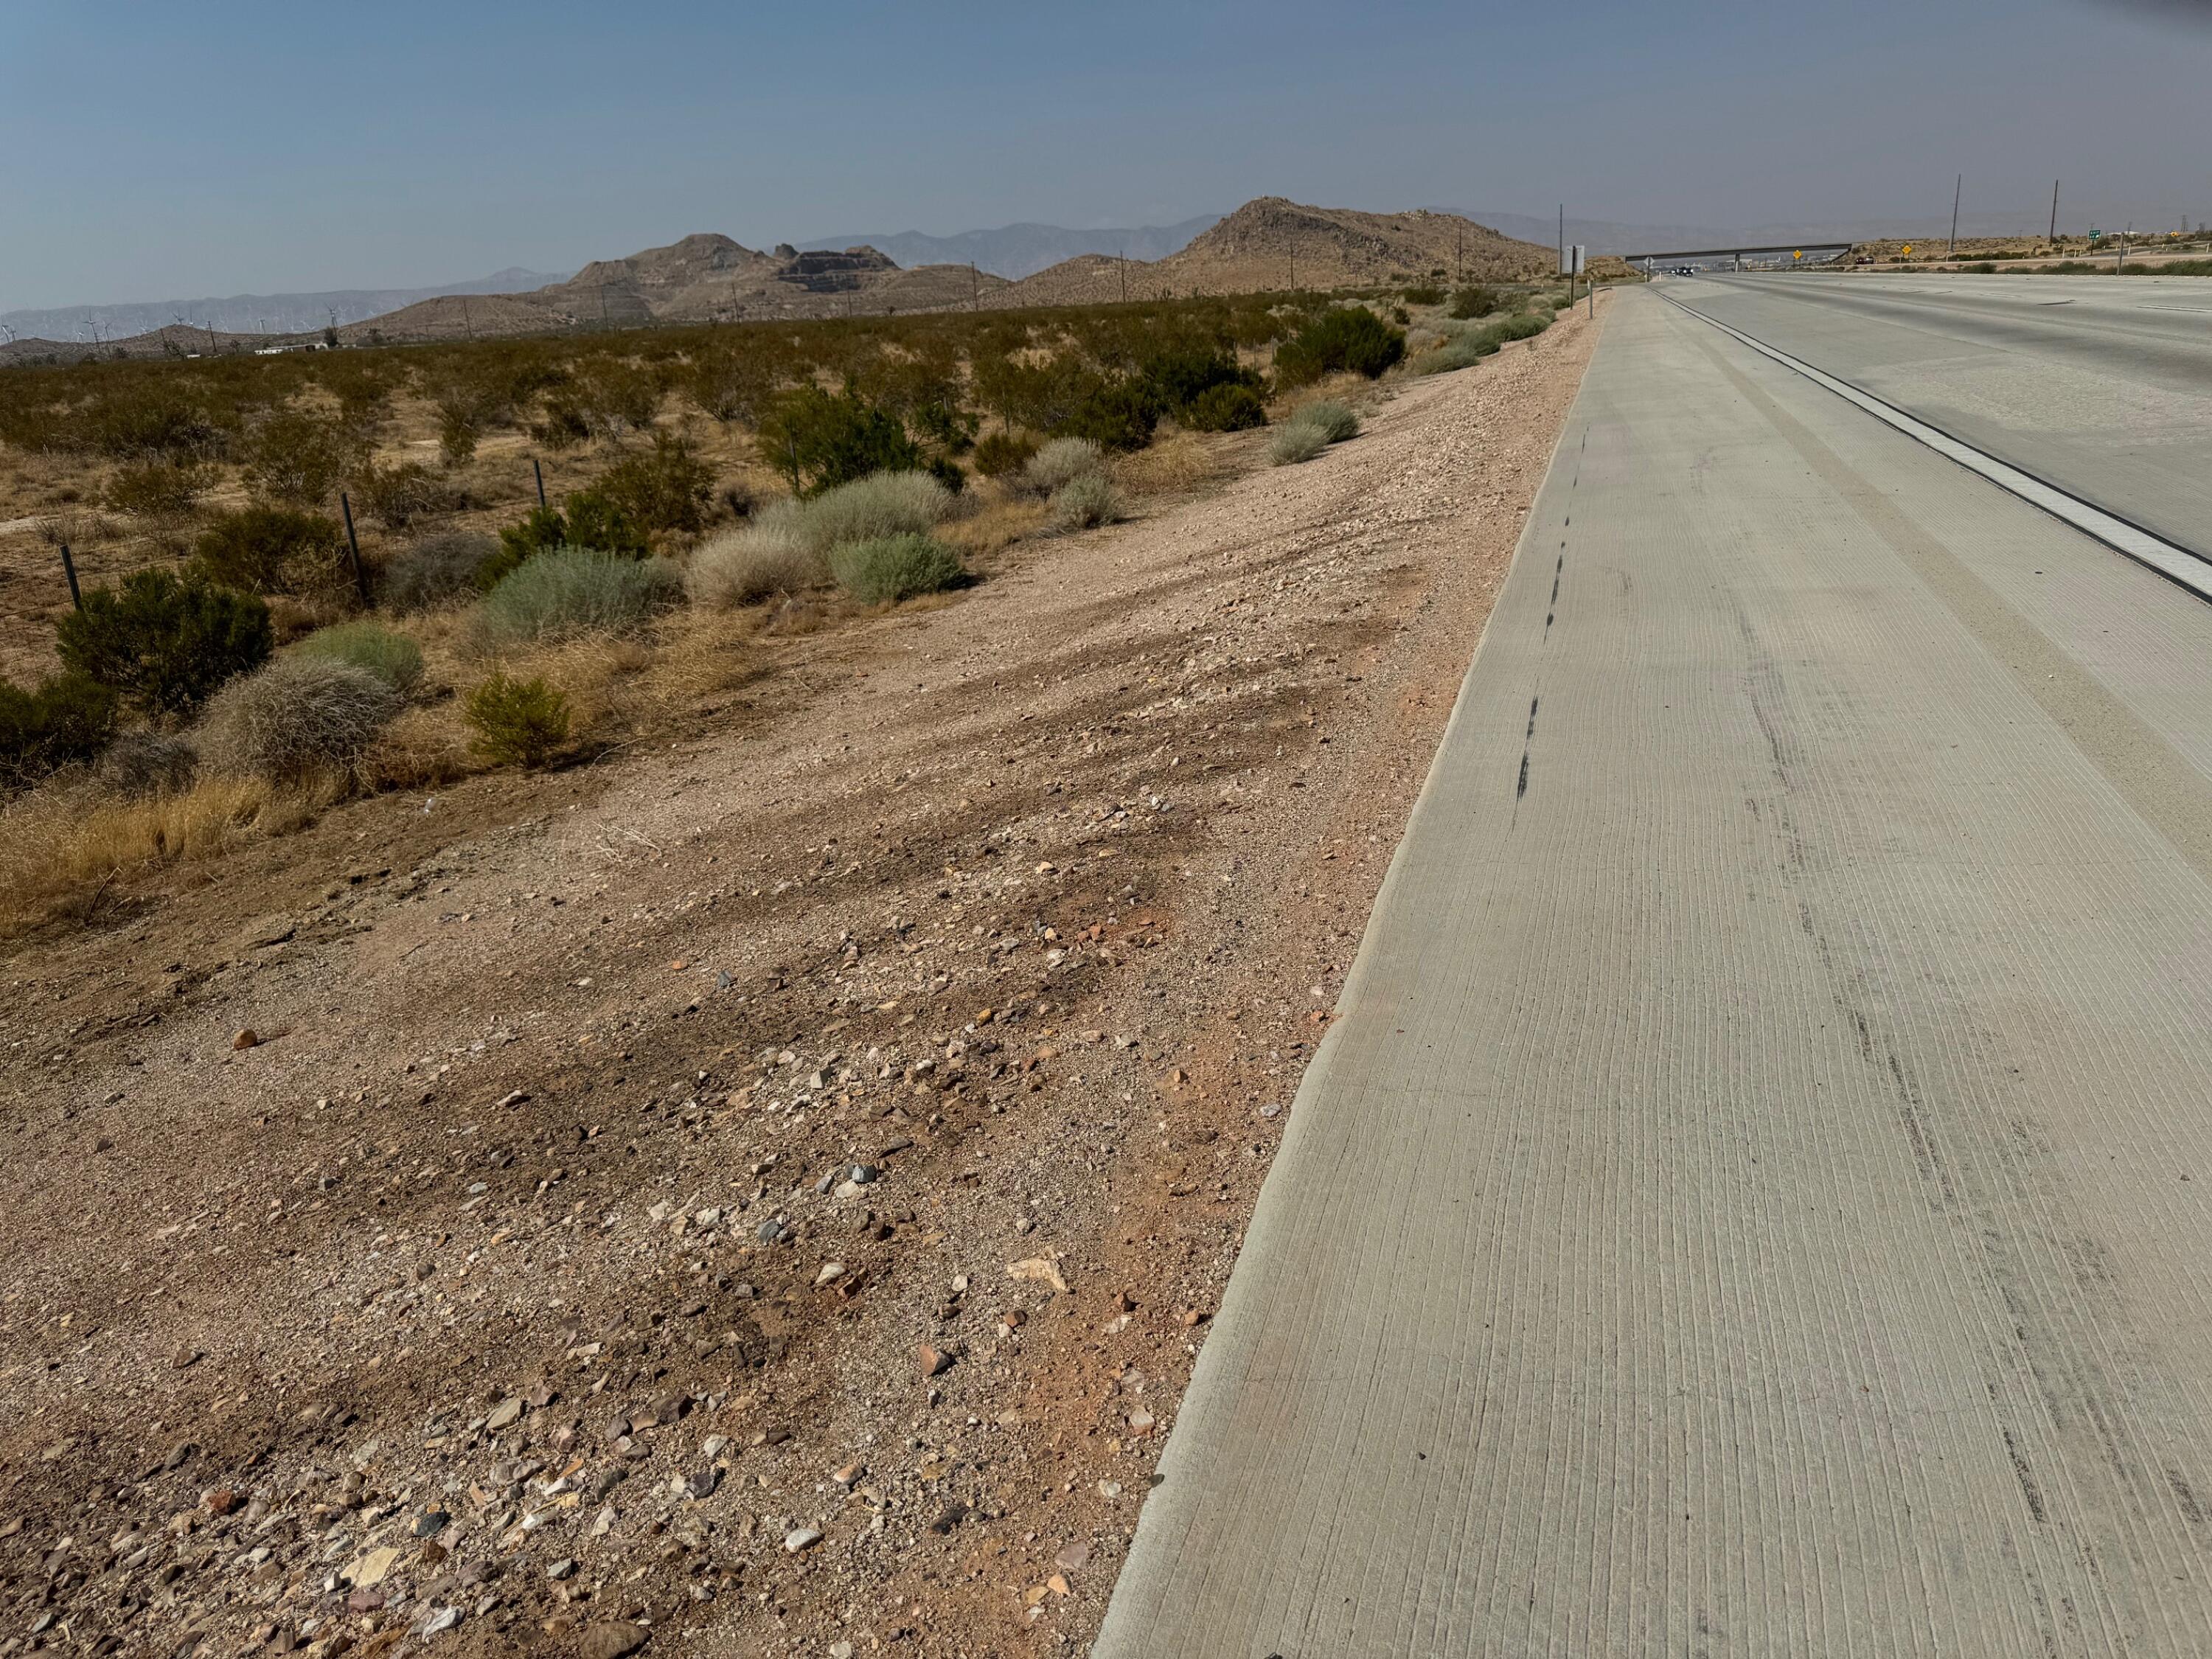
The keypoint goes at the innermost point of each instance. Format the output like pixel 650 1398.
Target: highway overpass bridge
pixel 1736 254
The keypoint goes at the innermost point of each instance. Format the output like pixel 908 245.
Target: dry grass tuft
pixel 994 525
pixel 1173 465
pixel 56 845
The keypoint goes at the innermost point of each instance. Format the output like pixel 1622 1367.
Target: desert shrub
pixel 1226 409
pixel 1085 501
pixel 727 384
pixel 1002 453
pixel 819 440
pixel 1423 294
pixel 1981 268
pixel 1295 440
pixel 272 549
pixel 396 496
pixel 948 472
pixel 144 761
pixel 164 642
pixel 163 490
pixel 664 488
pixel 68 718
pixel 867 509
pixel 1040 396
pixel 1180 373
pixel 586 518
pixel 577 590
pixel 136 421
pixel 1474 301
pixel 1119 415
pixel 609 396
pixel 296 457
pixel 295 719
pixel 1334 421
pixel 1062 460
pixel 1345 339
pixel 1461 351
pixel 516 722
pixel 434 570
pixel 764 558
pixel 892 568
pixel 1522 325
pixel 388 654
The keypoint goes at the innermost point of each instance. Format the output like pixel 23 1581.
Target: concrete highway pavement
pixel 1756 1198
pixel 2102 385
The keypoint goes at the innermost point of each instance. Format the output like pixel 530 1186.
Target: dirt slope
pixel 516 1279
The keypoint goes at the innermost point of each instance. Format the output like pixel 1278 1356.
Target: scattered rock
pixel 246 1039
pixel 370 1570
pixel 935 1362
pixel 801 1538
pixel 1039 1269
pixel 1074 1558
pixel 504 1414
pixel 611 1639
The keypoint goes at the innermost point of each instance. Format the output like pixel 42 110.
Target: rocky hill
pixel 702 278
pixel 1273 243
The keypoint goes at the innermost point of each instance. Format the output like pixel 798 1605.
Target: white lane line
pixel 2177 563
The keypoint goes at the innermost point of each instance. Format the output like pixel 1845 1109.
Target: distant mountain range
pixel 1018 250
pixel 256 313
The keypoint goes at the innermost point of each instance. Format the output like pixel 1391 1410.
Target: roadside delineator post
pixel 69 569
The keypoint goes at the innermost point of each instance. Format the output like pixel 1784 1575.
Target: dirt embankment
pixel 771 1199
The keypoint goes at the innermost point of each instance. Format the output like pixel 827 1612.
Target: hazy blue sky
pixel 158 149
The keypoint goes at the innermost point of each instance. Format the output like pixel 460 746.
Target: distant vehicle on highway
pixel 1686 271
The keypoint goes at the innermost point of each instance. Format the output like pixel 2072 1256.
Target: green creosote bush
pixel 577 590
pixel 819 440
pixel 1226 409
pixel 164 642
pixel 295 457
pixel 1085 500
pixel 1476 300
pixel 1423 296
pixel 1345 339
pixel 434 570
pixel 273 549
pixel 586 518
pixel 159 489
pixel 516 722
pixel 769 556
pixel 889 568
pixel 664 488
pixel 1119 415
pixel 1293 441
pixel 66 719
pixel 299 718
pixel 1002 453
pixel 1062 460
pixel 390 655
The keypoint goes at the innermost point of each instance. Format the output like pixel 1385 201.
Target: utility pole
pixel 1956 187
pixel 2054 213
pixel 974 288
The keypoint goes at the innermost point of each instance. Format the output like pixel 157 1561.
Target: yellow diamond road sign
pixel 1799 254
pixel 1907 248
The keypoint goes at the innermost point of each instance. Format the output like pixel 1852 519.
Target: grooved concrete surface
pixel 1757 1198
pixel 2101 385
